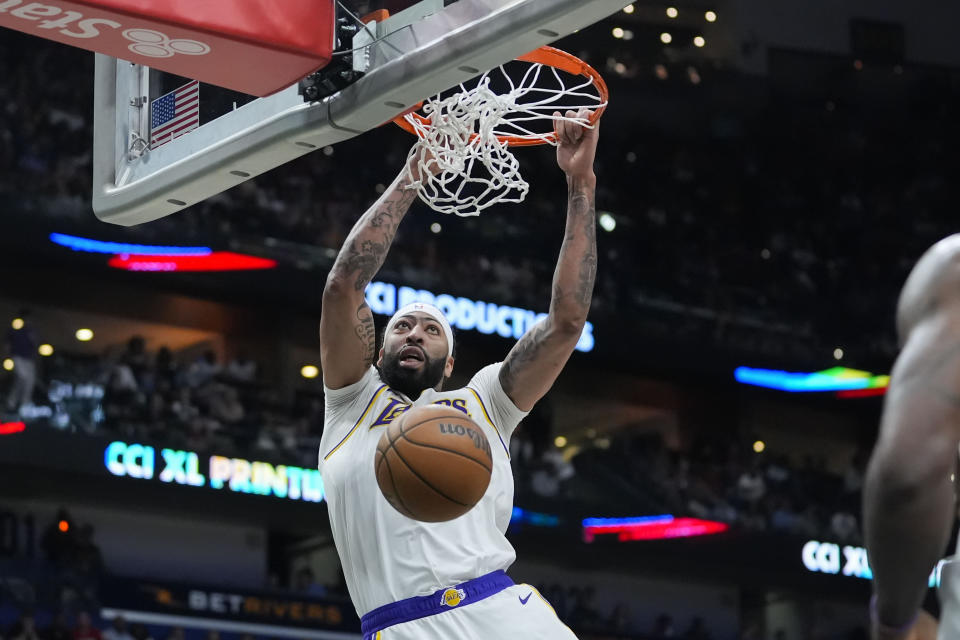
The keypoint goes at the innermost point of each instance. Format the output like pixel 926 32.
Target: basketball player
pixel 409 579
pixel 909 503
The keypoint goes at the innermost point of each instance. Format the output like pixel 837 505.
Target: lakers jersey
pixel 386 556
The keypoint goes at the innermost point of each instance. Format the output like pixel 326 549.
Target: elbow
pixel 336 285
pixel 568 326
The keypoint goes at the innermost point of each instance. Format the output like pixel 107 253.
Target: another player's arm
pixel 534 363
pixel 347 333
pixel 909 503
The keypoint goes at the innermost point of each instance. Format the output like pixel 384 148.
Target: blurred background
pixel 767 175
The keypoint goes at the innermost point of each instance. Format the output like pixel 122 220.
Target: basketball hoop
pixel 470 131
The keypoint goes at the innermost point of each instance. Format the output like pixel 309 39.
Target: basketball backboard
pixel 379 71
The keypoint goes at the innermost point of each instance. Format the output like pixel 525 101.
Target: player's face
pixel 414 355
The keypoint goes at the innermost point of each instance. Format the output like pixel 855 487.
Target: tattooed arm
pixel 534 363
pixel 347 335
pixel 909 503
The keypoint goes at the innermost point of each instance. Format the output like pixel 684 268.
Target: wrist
pixel 585 180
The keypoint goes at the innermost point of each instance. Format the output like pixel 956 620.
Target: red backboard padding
pixel 254 46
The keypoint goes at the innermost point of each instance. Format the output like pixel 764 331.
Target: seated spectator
pixel 619 620
pixel 783 518
pixel 135 358
pixel 778 471
pixel 844 527
pixel 306 583
pixel 203 370
pixel 58 629
pixel 241 368
pixel 117 630
pixel 584 614
pixel 697 630
pixel 24 628
pixel 88 559
pixel 165 368
pixel 663 628
pixel 853 476
pixel 750 486
pixel 85 629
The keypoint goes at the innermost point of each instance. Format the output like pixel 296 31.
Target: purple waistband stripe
pixel 439 601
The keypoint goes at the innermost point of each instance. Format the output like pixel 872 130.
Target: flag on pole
pixel 174 114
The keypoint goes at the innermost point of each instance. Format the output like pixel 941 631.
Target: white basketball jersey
pixel 386 556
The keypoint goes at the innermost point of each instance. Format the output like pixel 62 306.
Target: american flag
pixel 174 114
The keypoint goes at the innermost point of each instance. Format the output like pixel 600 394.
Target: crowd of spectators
pixel 204 404
pixel 752 492
pixel 729 482
pixel 747 233
pixel 200 404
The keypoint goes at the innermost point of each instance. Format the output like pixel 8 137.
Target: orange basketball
pixel 433 463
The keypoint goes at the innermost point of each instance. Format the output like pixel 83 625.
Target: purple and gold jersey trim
pixel 486 415
pixel 440 601
pixel 362 416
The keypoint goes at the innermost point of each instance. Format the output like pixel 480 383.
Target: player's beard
pixel 411 382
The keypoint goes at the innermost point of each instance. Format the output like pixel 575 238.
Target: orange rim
pixel 551 57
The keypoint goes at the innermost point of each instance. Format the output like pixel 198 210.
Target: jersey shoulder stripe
pixel 486 414
pixel 357 424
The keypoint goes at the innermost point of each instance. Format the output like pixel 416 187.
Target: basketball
pixel 433 463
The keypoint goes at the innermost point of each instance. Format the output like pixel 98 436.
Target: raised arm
pixel 347 335
pixel 909 503
pixel 534 363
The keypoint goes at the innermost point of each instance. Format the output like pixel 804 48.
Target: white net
pixel 463 152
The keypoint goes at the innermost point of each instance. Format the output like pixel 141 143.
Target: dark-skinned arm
pixel 535 362
pixel 347 334
pixel 909 504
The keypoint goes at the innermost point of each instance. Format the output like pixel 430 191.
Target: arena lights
pixel 17 324
pixel 759 446
pixel 628 9
pixel 188 468
pixel 10 428
pixel 522 516
pixel 672 12
pixel 89 245
pixel 650 528
pixel 145 257
pixel 666 38
pixel 849 383
pixel 560 442
pixel 8 364
pixel 617 32
pixel 699 42
pixel 84 335
pixel 309 371
pixel 710 16
pixel 607 222
pixel 216 261
pixel 46 350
